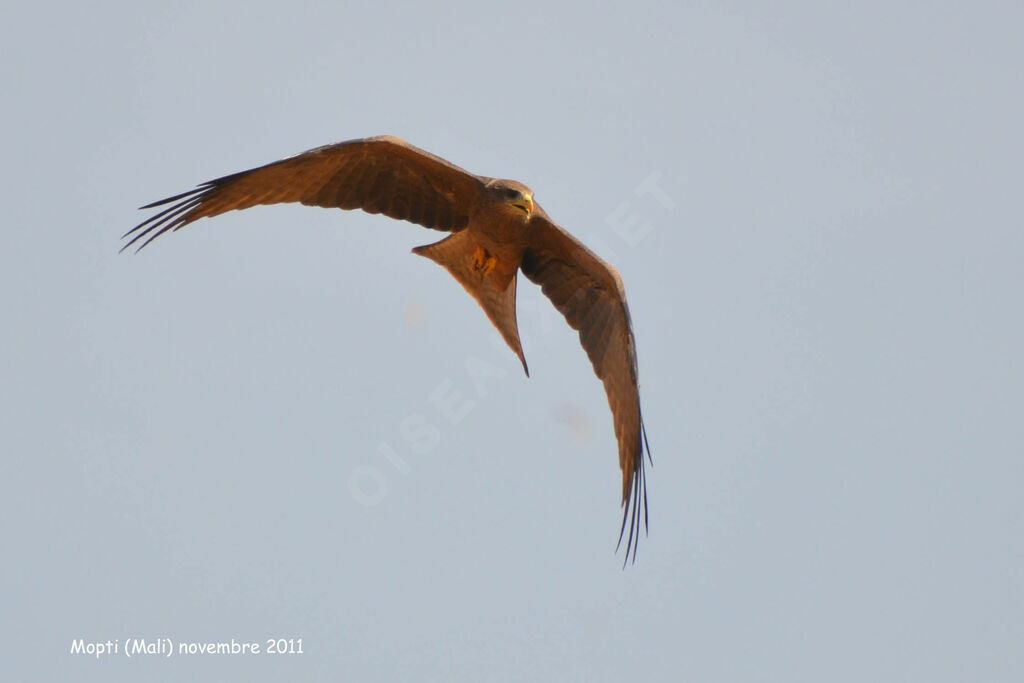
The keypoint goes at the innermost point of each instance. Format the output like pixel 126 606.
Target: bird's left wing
pixel 589 293
pixel 378 175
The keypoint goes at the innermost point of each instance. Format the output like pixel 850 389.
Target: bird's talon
pixel 482 260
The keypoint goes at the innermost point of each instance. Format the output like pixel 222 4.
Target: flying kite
pixel 496 230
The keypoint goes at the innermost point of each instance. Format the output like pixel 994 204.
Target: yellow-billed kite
pixel 497 230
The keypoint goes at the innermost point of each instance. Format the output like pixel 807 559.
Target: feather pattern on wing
pixel 378 175
pixel 589 293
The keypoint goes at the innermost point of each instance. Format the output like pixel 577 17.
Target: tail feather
pixel 493 288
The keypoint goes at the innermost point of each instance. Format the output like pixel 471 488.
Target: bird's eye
pixel 511 194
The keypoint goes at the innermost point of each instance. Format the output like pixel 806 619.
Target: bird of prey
pixel 496 230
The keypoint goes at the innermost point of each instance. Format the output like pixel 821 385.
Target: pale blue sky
pixel 826 299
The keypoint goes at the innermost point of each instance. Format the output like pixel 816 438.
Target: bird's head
pixel 515 195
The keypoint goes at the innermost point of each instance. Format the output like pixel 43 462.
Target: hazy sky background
pixel 827 303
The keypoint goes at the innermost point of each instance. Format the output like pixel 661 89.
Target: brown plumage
pixel 496 229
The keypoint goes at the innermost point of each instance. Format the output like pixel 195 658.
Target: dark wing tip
pixel 635 501
pixel 171 218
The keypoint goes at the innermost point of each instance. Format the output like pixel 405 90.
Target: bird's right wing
pixel 378 175
pixel 589 293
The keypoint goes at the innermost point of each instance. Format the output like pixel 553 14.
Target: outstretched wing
pixel 378 175
pixel 589 293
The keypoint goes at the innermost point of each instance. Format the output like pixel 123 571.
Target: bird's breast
pixel 502 241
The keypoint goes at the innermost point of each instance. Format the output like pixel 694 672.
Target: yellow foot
pixel 482 260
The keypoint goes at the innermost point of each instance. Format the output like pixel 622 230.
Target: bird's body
pixel 496 231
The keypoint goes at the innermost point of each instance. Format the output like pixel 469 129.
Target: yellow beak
pixel 525 205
